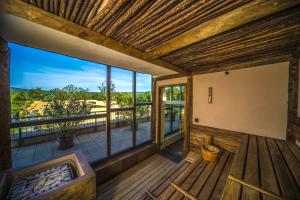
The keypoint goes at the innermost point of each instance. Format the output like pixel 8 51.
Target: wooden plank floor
pixel 133 183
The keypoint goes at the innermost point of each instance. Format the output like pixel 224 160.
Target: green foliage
pixel 36 94
pixel 68 102
pixel 20 102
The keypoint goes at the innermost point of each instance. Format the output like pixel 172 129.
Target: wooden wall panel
pixel 228 140
pixel 293 126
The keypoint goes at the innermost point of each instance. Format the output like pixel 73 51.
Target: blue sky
pixel 32 68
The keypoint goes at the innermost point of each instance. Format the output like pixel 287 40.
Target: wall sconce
pixel 210 95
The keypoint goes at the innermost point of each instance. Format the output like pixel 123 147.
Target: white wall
pixel 252 100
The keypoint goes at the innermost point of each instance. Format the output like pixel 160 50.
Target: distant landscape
pixel 31 102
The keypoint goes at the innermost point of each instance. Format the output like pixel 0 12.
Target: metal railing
pixel 33 126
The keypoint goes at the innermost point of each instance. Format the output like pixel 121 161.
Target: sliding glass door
pixel 173 109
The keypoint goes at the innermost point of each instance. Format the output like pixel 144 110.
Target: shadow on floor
pixel 174 151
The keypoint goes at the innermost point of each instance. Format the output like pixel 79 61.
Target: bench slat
pixel 252 170
pixel 287 184
pixel 268 176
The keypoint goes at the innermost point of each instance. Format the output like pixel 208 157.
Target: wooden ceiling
pixel 142 24
pixel 182 35
pixel 276 36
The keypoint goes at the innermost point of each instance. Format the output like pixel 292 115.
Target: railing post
pixel 118 114
pixel 20 133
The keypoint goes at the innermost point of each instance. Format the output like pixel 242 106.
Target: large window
pixel 59 104
pixel 121 120
pixel 143 109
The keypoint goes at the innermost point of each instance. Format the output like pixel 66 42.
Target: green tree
pixel 20 102
pixel 103 89
pixel 68 102
pixel 36 94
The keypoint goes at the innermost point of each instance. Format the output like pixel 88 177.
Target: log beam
pixel 245 14
pixel 5 145
pixel 36 15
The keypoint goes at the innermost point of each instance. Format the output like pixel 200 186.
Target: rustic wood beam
pixel 160 78
pixel 253 63
pixel 103 9
pixel 245 14
pixel 36 15
pixel 5 144
pixel 153 111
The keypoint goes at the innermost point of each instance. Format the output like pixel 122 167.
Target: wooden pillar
pixel 292 95
pixel 134 110
pixel 108 99
pixel 189 113
pixel 5 143
pixel 153 111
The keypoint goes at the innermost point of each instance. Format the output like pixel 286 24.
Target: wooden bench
pixel 264 168
pixel 156 190
pixel 201 180
pixel 228 140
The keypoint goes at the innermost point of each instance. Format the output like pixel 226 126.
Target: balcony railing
pixel 27 127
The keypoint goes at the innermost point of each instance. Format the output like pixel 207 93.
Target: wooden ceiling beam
pixel 241 65
pixel 245 14
pixel 36 15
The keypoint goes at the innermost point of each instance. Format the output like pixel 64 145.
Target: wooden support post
pixel 189 113
pixel 153 111
pixel 5 143
pixel 134 124
pixel 108 104
pixel 292 96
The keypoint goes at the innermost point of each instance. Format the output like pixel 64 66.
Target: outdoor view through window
pixel 58 105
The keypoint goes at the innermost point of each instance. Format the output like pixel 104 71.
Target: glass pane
pixel 173 104
pixel 121 88
pixel 47 85
pixel 143 88
pixel 143 129
pixel 121 131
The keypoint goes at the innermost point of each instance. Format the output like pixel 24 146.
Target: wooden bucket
pixel 209 152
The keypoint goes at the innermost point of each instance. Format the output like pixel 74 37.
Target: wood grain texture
pixel 61 23
pixel 5 143
pixel 292 127
pixel 275 37
pixel 203 179
pixel 228 140
pixel 239 16
pixel 186 36
pixel 252 170
pixel 264 169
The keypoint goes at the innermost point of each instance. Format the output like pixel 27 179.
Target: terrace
pixel 153 100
